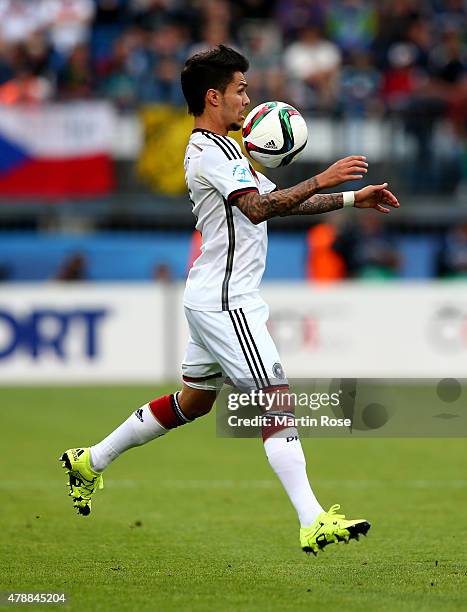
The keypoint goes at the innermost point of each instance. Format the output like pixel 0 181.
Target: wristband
pixel 349 198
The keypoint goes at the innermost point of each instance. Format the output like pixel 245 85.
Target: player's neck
pixel 206 123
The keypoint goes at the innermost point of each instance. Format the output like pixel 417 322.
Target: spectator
pixel 448 64
pixel 324 264
pixel 293 15
pixel 19 19
pixel 40 55
pixel 450 13
pixel 400 79
pixel 453 258
pixel 212 34
pixel 167 52
pixel 409 96
pixel 263 46
pixel 314 63
pixel 73 268
pixel 421 97
pixel 69 23
pixel 368 250
pixel 151 14
pixel 255 9
pixel 395 18
pixel 448 59
pixel 24 86
pixel 360 86
pixel 122 72
pixel 76 79
pixel 351 24
pixel 218 12
pixel 162 273
pixel 111 20
pixel 420 36
pixel 359 98
pixel 6 63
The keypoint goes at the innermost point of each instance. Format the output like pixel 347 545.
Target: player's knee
pixel 196 410
pixel 199 411
pixel 195 402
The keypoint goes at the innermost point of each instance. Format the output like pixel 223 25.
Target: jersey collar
pixel 194 130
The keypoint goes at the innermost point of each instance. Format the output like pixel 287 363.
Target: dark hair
pixel 212 69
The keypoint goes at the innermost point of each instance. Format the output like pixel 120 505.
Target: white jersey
pixel 228 272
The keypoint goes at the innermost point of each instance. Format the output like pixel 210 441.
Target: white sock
pixel 139 428
pixel 285 454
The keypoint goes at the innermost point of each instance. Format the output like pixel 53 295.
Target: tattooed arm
pixel 321 203
pixel 372 196
pixel 259 207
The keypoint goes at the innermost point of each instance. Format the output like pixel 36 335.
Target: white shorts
pixel 233 345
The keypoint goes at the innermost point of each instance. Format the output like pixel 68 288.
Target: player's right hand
pixel 348 169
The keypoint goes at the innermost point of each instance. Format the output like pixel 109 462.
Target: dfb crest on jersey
pixel 278 371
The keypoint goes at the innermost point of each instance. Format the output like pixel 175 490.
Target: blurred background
pixel 93 128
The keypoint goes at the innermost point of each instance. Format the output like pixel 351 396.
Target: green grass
pixel 195 522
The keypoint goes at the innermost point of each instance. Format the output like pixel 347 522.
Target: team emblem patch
pixel 278 370
pixel 242 174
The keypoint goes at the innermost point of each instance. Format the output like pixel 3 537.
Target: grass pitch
pixel 195 522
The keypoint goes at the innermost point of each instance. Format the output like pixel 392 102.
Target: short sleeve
pixel 231 179
pixel 265 185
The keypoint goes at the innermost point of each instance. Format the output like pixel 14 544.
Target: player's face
pixel 234 102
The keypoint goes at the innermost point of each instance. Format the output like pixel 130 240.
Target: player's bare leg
pixel 196 402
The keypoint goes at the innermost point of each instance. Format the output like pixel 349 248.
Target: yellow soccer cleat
pixel 329 528
pixel 83 480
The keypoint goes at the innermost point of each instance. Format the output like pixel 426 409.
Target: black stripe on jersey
pixel 230 255
pixel 232 148
pixel 250 349
pixel 238 192
pixel 222 146
pixel 247 359
pixel 255 347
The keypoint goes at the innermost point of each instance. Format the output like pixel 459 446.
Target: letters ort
pixel 50 331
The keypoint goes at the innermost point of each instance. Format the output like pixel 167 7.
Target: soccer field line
pixel 248 484
pixel 331 484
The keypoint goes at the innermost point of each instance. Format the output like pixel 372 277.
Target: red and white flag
pixel 56 150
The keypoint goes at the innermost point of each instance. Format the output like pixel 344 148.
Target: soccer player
pixel 226 315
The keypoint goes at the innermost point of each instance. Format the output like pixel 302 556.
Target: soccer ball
pixel 274 134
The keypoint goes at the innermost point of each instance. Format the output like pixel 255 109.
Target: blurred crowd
pixel 345 58
pixel 348 56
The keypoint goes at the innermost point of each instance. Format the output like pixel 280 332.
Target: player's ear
pixel 213 97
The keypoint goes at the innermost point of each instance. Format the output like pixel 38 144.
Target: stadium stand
pixel 388 77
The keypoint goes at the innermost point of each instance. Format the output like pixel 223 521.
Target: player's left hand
pixel 377 197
